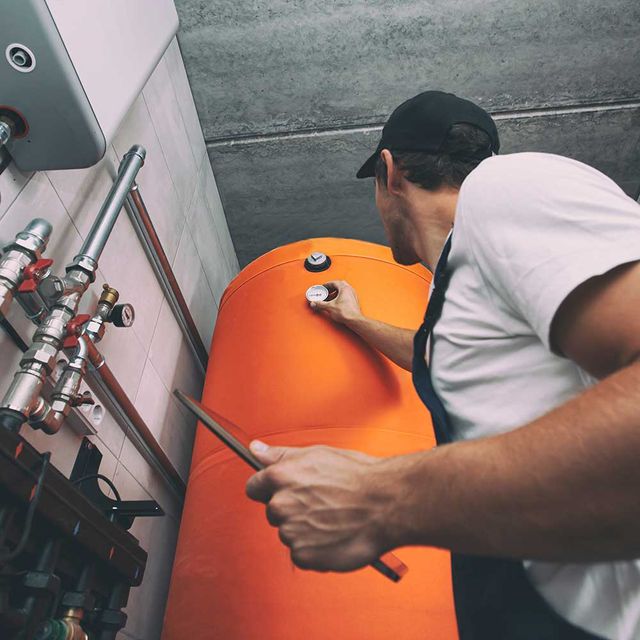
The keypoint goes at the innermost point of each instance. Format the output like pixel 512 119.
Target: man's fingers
pixel 261 486
pixel 335 284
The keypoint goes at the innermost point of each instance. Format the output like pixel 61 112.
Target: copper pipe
pixel 144 226
pixel 142 436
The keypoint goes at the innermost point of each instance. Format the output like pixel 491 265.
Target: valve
pixel 109 296
pixel 33 273
pixel 83 399
pixel 122 315
pixel 73 329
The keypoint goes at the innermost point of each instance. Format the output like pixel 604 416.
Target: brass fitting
pixel 72 619
pixel 109 295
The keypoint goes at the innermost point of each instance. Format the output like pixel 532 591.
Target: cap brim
pixel 368 169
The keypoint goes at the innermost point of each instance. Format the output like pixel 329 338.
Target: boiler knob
pixel 122 315
pixel 320 293
pixel 317 261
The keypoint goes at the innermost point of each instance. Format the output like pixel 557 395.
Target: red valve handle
pixel 72 330
pixel 32 274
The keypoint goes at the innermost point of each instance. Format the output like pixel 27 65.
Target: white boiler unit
pixel 70 70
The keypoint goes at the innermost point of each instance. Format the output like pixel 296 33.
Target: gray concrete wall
pixel 291 94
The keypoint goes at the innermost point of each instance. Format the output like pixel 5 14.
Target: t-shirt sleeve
pixel 540 225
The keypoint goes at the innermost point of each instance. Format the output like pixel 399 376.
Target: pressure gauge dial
pixel 317 293
pixel 317 261
pixel 122 315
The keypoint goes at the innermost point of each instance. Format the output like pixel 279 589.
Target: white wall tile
pixel 110 436
pixel 172 357
pixel 10 357
pixel 140 481
pixel 125 356
pixel 195 287
pixel 165 113
pixel 12 181
pixel 39 200
pixel 184 96
pixel 205 237
pixel 212 198
pixel 125 266
pixel 173 431
pixel 147 602
pixel 156 184
pixel 82 191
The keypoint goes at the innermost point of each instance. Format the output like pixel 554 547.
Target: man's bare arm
pixel 564 487
pixel 394 342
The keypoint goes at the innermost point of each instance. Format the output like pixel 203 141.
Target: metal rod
pixel 139 432
pixel 108 214
pixel 143 225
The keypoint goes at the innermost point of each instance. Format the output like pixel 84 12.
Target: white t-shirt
pixel 529 228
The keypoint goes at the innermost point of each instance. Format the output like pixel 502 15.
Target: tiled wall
pixel 151 358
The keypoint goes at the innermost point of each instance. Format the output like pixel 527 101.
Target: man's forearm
pixel 565 487
pixel 394 342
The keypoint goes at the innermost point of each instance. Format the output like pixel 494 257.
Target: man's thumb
pixel 265 453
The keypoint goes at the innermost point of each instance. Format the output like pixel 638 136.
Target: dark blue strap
pixel 421 376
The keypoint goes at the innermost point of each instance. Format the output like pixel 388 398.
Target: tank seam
pixel 197 470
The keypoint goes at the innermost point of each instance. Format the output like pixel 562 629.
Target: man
pixel 532 339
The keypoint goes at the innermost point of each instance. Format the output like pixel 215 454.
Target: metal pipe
pixel 97 238
pixel 105 382
pixel 143 225
pixel 37 363
pixel 139 432
pixel 5 133
pixel 26 249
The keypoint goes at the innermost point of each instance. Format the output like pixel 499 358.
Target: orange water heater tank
pixel 291 377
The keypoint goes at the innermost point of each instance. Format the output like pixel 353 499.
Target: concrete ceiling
pixel 292 94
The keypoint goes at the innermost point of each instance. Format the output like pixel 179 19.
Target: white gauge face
pixel 317 258
pixel 317 293
pixel 128 315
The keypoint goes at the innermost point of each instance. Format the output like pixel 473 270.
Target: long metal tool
pixel 388 565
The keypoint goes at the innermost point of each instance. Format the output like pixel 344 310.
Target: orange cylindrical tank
pixel 291 377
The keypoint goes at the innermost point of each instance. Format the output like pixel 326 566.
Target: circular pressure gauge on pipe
pixel 317 261
pixel 320 293
pixel 122 315
pixel 317 293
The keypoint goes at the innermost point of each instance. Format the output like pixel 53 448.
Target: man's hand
pixel 394 342
pixel 324 502
pixel 344 308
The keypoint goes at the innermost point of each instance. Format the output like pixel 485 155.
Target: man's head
pixel 429 146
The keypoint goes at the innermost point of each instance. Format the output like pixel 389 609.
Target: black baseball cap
pixel 423 122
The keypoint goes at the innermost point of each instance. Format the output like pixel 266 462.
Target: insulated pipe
pixel 153 247
pixel 108 214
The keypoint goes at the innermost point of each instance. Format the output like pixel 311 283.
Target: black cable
pixel 13 334
pixel 99 476
pixel 19 548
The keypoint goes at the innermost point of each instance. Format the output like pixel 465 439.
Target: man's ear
pixel 394 175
